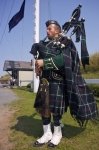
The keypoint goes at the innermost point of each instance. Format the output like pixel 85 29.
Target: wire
pixel 2 12
pixel 49 9
pixel 7 21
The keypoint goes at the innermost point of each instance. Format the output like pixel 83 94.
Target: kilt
pixel 57 97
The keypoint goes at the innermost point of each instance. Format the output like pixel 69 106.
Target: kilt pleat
pixel 57 97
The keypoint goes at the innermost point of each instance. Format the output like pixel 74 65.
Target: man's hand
pixel 39 63
pixel 38 66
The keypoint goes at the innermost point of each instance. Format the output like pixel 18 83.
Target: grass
pixel 26 127
pixel 91 75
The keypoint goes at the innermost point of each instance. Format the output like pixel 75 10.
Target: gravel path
pixel 6 96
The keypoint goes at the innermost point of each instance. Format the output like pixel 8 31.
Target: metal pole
pixel 36 40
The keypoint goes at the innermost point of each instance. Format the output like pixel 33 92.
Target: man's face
pixel 52 31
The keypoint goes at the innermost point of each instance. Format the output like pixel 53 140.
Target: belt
pixel 51 75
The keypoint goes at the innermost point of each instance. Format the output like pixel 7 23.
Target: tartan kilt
pixel 57 97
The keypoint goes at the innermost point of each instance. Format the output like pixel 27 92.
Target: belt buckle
pixel 56 76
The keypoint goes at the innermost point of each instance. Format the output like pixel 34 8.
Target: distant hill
pixel 94 63
pixel 92 71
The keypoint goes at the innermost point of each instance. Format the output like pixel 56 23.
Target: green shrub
pixel 29 86
pixel 94 64
pixel 95 89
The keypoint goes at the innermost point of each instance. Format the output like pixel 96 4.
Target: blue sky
pixel 17 44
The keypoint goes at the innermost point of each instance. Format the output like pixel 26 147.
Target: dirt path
pixel 6 96
pixel 5 116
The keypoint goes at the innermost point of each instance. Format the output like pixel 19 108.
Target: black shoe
pixel 37 144
pixel 51 145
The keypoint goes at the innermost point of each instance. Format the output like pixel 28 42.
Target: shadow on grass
pixel 29 125
pixel 70 131
pixel 33 127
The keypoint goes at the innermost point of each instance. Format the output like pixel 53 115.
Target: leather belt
pixel 51 75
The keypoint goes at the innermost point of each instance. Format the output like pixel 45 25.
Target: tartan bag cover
pixel 81 100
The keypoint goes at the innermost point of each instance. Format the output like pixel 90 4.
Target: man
pixel 61 85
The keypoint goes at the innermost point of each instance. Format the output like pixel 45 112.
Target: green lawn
pixel 26 127
pixel 91 75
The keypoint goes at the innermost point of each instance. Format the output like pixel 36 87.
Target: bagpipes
pixel 78 29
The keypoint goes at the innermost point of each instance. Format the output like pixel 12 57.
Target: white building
pixel 21 71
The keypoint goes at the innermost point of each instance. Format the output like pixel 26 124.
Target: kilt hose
pixel 56 99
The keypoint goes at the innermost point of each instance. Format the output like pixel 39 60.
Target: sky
pixel 16 45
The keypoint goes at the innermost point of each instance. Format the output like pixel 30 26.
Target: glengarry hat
pixel 49 22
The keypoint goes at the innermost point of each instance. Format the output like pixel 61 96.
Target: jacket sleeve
pixel 54 63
